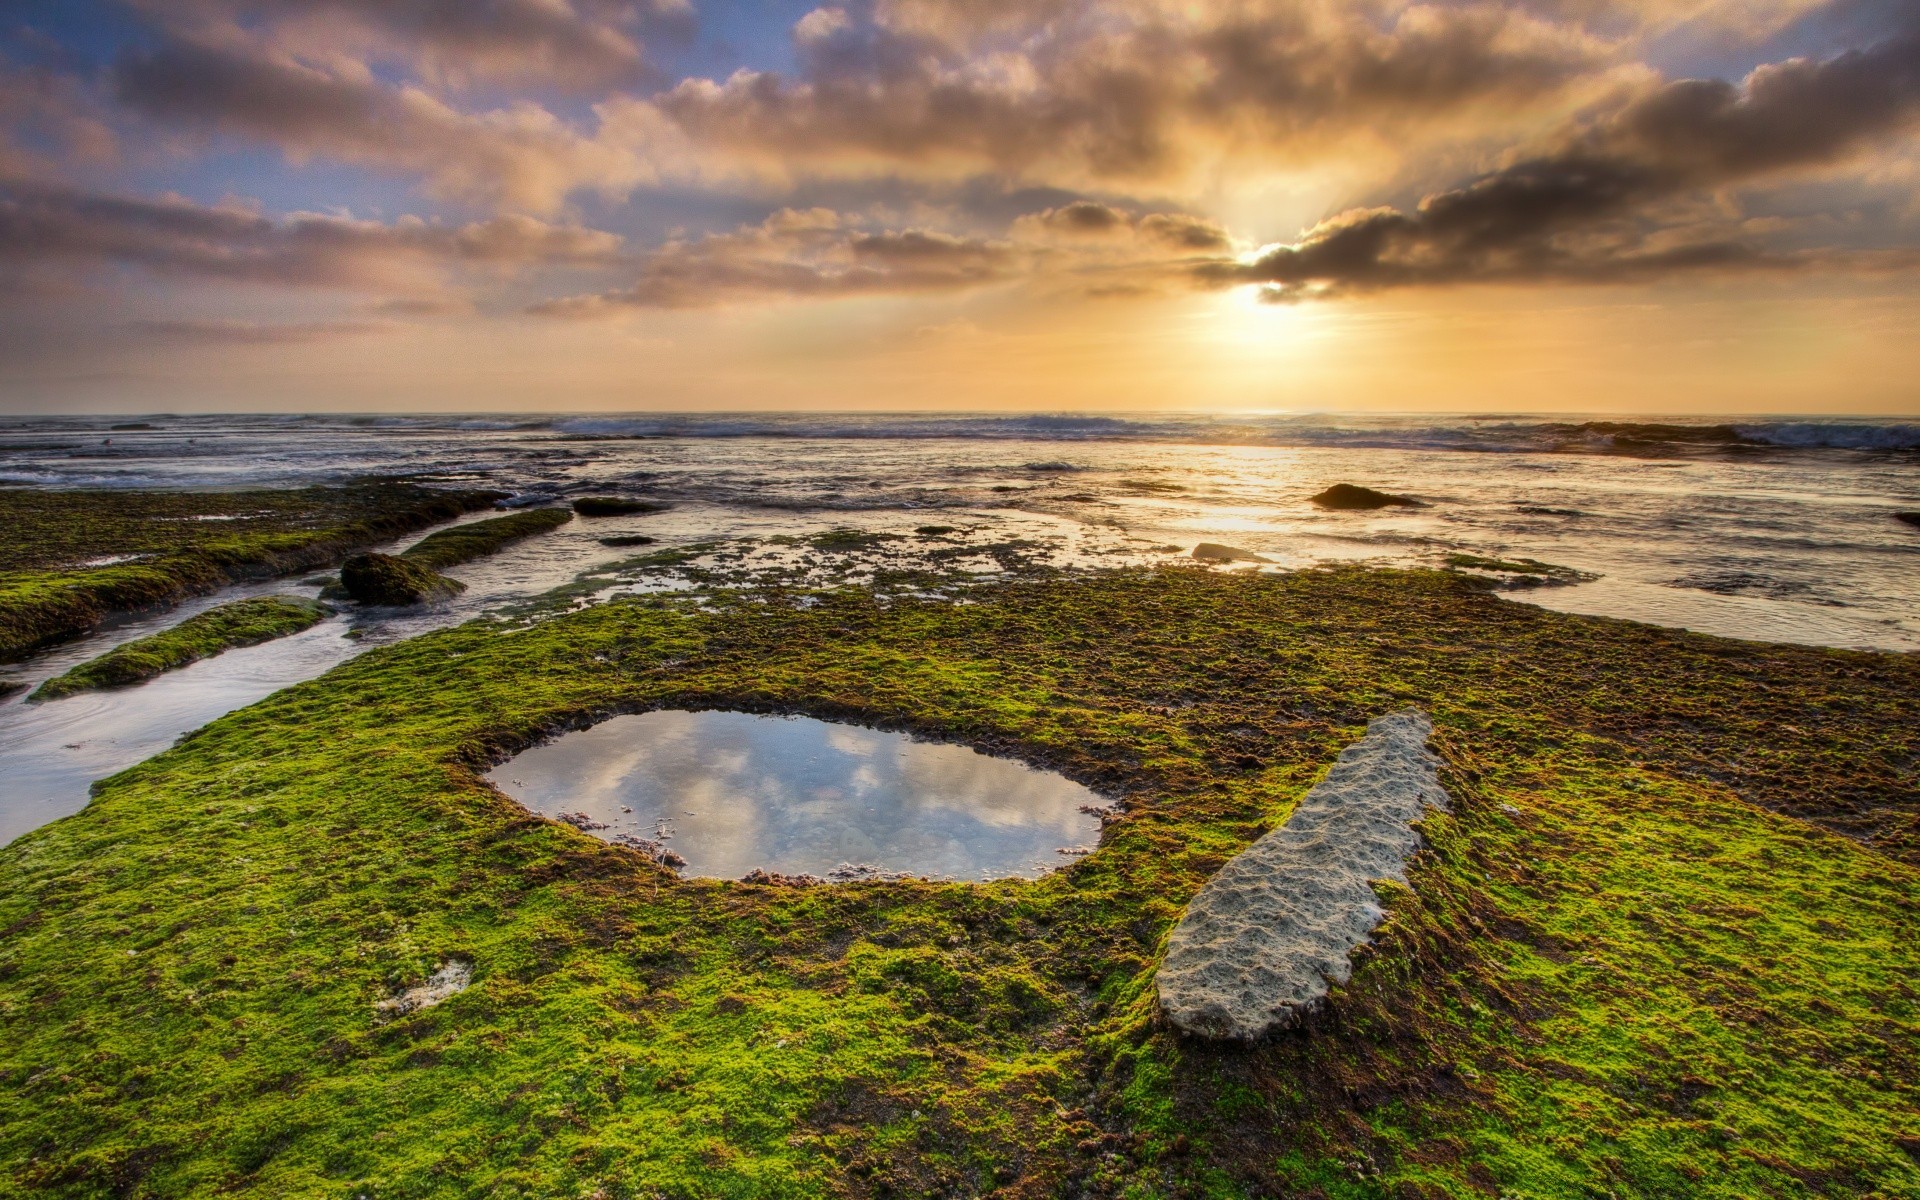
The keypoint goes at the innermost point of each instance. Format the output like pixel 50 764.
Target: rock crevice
pixel 1263 941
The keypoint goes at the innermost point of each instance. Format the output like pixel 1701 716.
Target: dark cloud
pixel 1611 203
pixel 42 224
pixel 1126 94
pixel 795 254
pixel 1085 216
pixel 521 156
pixel 570 44
pixel 1092 220
pixel 254 333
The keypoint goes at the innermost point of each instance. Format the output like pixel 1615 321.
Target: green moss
pixel 462 543
pixel 171 545
pixel 241 623
pixel 1664 944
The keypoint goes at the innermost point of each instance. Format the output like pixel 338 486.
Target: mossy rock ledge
pixel 227 627
pixel 383 579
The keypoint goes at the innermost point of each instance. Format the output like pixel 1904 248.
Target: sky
pixel 1648 206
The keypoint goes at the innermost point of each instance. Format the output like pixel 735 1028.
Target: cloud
pixel 255 333
pixel 44 224
pixel 1616 198
pixel 570 44
pixel 521 156
pixel 819 253
pixel 1120 95
pixel 49 120
pixel 794 254
pixel 1090 220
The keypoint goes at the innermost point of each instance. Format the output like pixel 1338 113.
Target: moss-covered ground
pixel 73 558
pixel 1663 945
pixel 225 627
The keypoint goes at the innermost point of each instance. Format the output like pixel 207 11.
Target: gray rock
pixel 1215 552
pixel 1262 942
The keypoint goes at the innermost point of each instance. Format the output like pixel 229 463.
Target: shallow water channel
pixel 733 792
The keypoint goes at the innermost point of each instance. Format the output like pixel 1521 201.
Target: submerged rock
pixel 1348 497
pixel 1214 552
pixel 386 580
pixel 1272 930
pixel 627 539
pixel 614 506
pixel 1517 574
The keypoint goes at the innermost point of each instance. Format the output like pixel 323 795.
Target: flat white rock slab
pixel 1274 929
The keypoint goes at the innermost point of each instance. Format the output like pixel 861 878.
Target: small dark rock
pixel 385 580
pixel 628 539
pixel 1910 518
pixel 1348 497
pixel 614 506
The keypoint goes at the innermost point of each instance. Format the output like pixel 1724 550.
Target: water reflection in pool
pixel 734 792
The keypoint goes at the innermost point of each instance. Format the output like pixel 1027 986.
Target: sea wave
pixel 1478 434
pixel 1834 435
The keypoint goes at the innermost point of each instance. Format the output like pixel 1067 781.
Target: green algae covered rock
pixel 386 580
pixel 463 543
pixel 242 623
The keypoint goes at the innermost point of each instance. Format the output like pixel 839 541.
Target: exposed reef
pixel 1269 934
pixel 1347 497
pixel 71 559
pixel 227 627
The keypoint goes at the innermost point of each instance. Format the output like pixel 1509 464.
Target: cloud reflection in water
pixel 796 795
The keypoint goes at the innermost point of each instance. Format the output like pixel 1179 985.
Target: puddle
pixel 732 793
